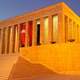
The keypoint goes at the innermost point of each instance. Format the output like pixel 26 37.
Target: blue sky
pixel 10 8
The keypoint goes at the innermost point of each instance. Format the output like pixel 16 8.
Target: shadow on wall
pixel 24 70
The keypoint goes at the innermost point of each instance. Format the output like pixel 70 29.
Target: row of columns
pixel 9 40
pixel 10 36
pixel 72 30
pixel 61 32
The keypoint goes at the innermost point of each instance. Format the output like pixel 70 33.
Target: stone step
pixel 3 78
pixel 6 64
pixel 25 70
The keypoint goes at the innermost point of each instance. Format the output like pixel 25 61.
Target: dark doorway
pixel 38 34
pixel 22 34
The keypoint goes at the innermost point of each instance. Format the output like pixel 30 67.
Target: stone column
pixel 68 31
pixel 11 40
pixel 66 28
pixel 50 29
pixel 73 31
pixel 3 41
pixel 6 39
pixel 18 37
pixel 34 33
pixel 16 46
pixel 78 33
pixel 15 43
pixel 1 32
pixel 42 30
pixel 61 28
pixel 0 41
pixel 71 37
pixel 76 36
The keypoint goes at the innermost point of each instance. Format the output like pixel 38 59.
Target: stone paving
pixel 6 63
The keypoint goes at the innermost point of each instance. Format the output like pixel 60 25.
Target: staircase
pixel 3 78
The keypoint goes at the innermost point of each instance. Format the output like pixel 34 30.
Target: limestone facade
pixel 50 25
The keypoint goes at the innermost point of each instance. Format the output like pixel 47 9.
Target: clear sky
pixel 10 8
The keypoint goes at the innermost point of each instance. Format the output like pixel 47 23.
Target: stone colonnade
pixel 9 40
pixel 50 29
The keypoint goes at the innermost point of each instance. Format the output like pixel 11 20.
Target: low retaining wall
pixel 61 58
